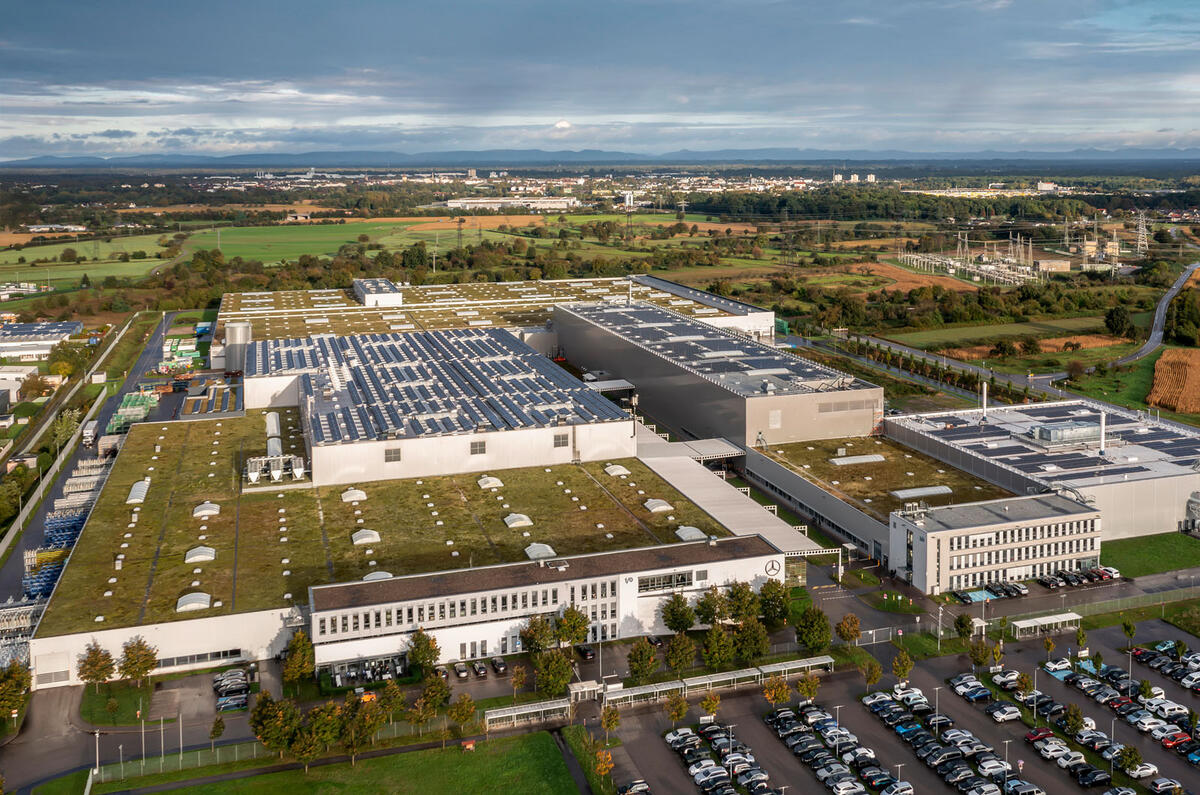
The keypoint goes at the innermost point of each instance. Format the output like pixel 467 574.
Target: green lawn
pixel 530 764
pixel 99 250
pixel 859 578
pixel 93 706
pixel 967 335
pixel 1136 557
pixel 849 656
pixel 924 645
pixel 70 784
pixel 1128 386
pixel 892 602
pixel 270 244
pixel 583 745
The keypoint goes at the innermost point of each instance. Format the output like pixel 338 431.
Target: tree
pixel 610 720
pixel 997 652
pixel 1048 644
pixel 1073 720
pixel 214 734
pixel 462 712
pixel 680 654
pixel 360 720
pixel 1024 683
pixel 538 635
pixel 902 665
pixel 392 700
pixel 325 722
pixel 572 626
pixel 743 602
pixel 138 659
pixel 96 665
pixel 808 685
pixel 553 670
pixel 1128 758
pixel 1145 689
pixel 979 652
pixel 300 661
pixel 751 642
pixel 274 722
pixel 64 427
pixel 963 626
pixel 435 690
pixel 603 763
pixel 305 747
pixel 776 691
pixel 718 648
pixel 676 708
pixel 517 677
pixel 712 606
pixel 112 706
pixel 643 662
pixel 1119 322
pixel 677 614
pixel 711 703
pixel 1080 638
pixel 423 651
pixel 813 630
pixel 848 628
pixel 774 601
pixel 871 671
pixel 1098 662
pixel 420 713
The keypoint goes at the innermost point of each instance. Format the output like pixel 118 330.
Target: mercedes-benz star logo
pixel 772 568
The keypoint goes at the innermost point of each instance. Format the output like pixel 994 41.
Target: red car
pixel 1038 734
pixel 1117 703
pixel 1174 739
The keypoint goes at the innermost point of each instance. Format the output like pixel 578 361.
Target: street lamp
pixel 937 691
pixel 1033 706
pixel 728 763
pixel 1006 742
pixel 898 766
pixel 939 630
pixel 1112 739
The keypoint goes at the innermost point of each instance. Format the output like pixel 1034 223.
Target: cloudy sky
pixel 125 77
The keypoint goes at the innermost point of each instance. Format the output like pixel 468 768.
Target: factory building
pixel 385 406
pixel 1139 472
pixel 537 203
pixel 28 342
pixel 707 382
pixel 477 613
pixel 967 546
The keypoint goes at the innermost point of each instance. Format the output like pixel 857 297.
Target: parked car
pixel 1006 712
pixel 460 670
pixel 479 669
pixel 1061 664
pixel 585 651
pixel 500 666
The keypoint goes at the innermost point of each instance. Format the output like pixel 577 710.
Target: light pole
pixel 1033 706
pixel 939 631
pixel 937 692
pixel 898 766
pixel 729 764
pixel 1006 742
pixel 97 734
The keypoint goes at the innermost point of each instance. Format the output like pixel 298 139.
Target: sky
pixel 649 76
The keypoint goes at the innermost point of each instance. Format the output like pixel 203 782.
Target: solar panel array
pixel 740 364
pixel 454 381
pixel 16 331
pixel 1135 447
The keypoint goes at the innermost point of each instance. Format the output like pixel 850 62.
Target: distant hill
pixel 499 158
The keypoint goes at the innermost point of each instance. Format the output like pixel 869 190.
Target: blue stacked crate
pixel 63 527
pixel 39 583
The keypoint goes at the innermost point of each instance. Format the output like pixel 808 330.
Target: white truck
pixel 89 433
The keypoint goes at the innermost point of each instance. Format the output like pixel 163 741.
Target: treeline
pixel 1182 324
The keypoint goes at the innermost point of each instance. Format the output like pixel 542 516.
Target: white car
pixel 956 735
pixel 1070 758
pixel 1114 573
pixel 733 759
pixel 678 734
pixel 848 788
pixel 1171 710
pixel 1144 770
pixel 899 692
pixel 710 773
pixel 831 770
pixel 967 684
pixel 1006 713
pixel 1163 785
pixel 701 765
pixel 1191 679
pixel 1155 692
pixel 898 788
pixel 1149 724
pixel 875 698
pixel 1053 750
pixel 984 789
pixel 990 767
pixel 1005 677
pixel 1159 732
pixel 1061 664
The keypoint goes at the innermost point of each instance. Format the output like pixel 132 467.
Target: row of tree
pixel 97 665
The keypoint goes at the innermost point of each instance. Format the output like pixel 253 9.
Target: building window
pixel 472 607
pixel 664 582
pixel 408 615
pixel 478 448
pixel 561 440
pixel 321 627
pixel 354 623
pixel 391 456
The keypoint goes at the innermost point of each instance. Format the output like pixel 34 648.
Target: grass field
pixel 530 764
pixel 99 250
pixel 270 244
pixel 1128 386
pixel 1136 557
pixel 93 705
pixel 966 335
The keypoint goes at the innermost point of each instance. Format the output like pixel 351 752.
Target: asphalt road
pixel 34 535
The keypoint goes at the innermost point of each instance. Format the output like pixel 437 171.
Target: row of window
pixel 409 617
pixel 1017 535
pixel 192 659
pixel 1016 554
pixel 981 578
pixel 605 589
pixel 669 582
pixel 478 447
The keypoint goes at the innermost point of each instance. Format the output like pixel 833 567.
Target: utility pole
pixel 1143 242
pixel 461 221
pixel 435 248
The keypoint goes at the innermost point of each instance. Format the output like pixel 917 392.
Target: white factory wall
pixel 260 635
pixel 272 391
pixel 429 456
pixel 637 615
pixel 800 418
pixel 1143 507
pixel 759 325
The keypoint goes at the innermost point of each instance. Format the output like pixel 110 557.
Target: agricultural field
pixel 933 339
pixel 101 261
pixel 272 244
pixel 99 250
pixel 1129 386
pixel 1176 384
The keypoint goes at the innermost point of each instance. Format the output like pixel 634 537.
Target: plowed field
pixel 1177 381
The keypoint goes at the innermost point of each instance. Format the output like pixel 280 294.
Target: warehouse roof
pixel 739 364
pixel 1059 443
pixel 1038 508
pixel 394 386
pixel 66 328
pixel 517 575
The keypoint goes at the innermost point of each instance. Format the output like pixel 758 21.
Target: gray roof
pixel 397 386
pixel 531 574
pixel 1042 507
pixel 737 363
pixel 36 331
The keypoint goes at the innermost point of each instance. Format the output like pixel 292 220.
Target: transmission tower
pixel 787 240
pixel 461 221
pixel 1143 242
pixel 963 249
